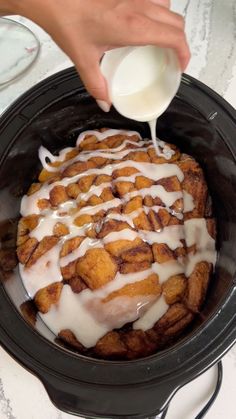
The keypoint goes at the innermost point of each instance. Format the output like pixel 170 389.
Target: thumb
pixel 90 73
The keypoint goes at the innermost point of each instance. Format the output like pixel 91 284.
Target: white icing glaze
pixel 135 214
pixel 105 317
pixel 93 209
pixel 94 190
pixel 138 145
pixel 87 154
pixel 67 206
pixel 53 158
pixel 152 315
pixel 48 221
pixel 168 198
pixel 201 256
pixel 72 314
pixel 120 310
pixel 43 273
pixel 124 217
pixel 29 203
pixel 86 244
pixel 153 171
pixel 125 234
pixel 63 153
pixel 88 318
pixel 196 233
pixel 152 126
pixel 45 154
pixel 85 314
pixel 157 208
pixel 128 218
pixel 166 152
pixel 105 134
pixel 118 282
pixel 45 227
pixel 167 269
pixel 188 201
pixel 130 178
pixel 109 154
pixel 170 235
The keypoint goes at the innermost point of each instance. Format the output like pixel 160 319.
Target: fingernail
pixel 103 105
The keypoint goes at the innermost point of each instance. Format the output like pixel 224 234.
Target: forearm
pixel 15 7
pixel 7 7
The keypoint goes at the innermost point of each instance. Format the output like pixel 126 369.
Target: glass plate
pixel 19 49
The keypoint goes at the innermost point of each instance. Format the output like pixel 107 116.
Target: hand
pixel 85 29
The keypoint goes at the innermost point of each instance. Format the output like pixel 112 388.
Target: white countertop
pixel 211 30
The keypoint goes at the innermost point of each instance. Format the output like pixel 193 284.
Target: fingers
pixel 86 60
pixel 164 3
pixel 155 24
pixel 90 73
pixel 148 32
pixel 164 15
pixel 175 39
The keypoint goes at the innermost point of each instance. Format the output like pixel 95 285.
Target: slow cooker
pixel 53 113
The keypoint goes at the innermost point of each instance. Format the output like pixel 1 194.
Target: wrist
pixel 21 7
pixel 16 7
pixel 10 7
pixel 6 7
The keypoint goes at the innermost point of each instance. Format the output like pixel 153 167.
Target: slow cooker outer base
pixel 202 124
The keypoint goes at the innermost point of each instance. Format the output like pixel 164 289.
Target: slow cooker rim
pixel 70 74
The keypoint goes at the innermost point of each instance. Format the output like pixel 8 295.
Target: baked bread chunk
pixel 116 243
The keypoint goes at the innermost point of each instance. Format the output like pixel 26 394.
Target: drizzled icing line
pixel 85 156
pixel 105 134
pixel 106 153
